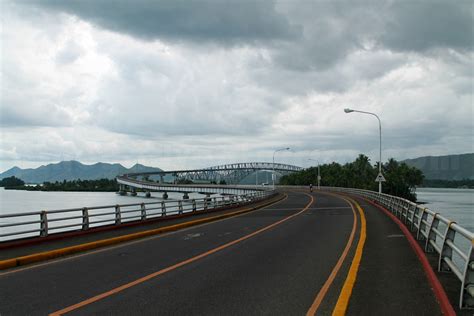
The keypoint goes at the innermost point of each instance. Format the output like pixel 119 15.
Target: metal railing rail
pixel 43 223
pixel 188 188
pixel 453 243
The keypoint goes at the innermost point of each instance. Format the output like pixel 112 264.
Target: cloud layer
pixel 184 84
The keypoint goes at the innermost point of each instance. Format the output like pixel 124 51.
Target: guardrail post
pixel 214 200
pixel 180 207
pixel 194 205
pixel 411 220
pixel 205 204
pixel 118 215
pixel 143 211
pixel 400 209
pixel 446 251
pixel 421 225
pixel 431 233
pixel 85 218
pixel 44 224
pixel 163 208
pixel 467 287
pixel 391 203
pixel 403 211
pixel 396 207
pixel 406 208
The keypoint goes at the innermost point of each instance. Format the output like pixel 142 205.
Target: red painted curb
pixel 438 289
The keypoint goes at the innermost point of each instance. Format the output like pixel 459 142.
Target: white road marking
pixel 191 236
pixel 396 236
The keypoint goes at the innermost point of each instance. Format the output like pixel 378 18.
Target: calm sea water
pixel 455 204
pixel 16 201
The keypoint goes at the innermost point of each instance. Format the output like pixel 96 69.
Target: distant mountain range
pixel 71 170
pixel 451 167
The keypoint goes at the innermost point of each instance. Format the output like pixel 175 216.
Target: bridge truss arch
pixel 230 173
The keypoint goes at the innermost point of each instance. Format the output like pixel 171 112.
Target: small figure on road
pixel 311 188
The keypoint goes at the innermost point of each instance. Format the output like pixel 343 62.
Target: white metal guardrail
pixel 452 243
pixel 44 223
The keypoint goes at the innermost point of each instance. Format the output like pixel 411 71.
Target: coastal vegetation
pixel 11 182
pixel 401 179
pixel 456 184
pixel 101 185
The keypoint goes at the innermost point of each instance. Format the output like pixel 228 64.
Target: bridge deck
pixel 276 260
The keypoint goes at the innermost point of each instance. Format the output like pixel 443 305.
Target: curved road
pixel 295 257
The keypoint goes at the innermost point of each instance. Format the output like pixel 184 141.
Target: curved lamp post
pixel 273 174
pixel 319 173
pixel 380 176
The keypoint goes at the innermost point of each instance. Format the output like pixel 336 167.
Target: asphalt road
pixel 273 261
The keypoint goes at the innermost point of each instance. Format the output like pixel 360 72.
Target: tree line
pixel 101 185
pixel 401 178
pixel 434 183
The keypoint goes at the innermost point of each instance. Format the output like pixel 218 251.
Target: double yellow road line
pixel 344 296
pixel 340 307
pixel 343 301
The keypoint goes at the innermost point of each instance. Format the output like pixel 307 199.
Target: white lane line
pixel 311 208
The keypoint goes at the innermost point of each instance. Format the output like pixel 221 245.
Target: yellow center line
pixel 346 292
pixel 177 265
pixel 322 293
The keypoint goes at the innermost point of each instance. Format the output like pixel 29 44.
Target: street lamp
pixel 380 177
pixel 273 175
pixel 319 173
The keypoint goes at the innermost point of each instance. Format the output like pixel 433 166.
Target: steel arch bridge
pixel 230 173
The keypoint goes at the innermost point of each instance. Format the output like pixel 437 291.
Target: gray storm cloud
pixel 419 26
pixel 302 36
pixel 204 82
pixel 205 20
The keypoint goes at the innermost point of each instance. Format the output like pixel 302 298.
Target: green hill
pixel 73 170
pixel 450 167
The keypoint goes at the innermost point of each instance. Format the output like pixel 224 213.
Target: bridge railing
pixel 43 223
pixel 452 243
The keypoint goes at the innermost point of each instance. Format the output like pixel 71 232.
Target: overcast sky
pixel 189 84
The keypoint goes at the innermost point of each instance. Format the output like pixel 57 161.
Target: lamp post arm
pixel 273 173
pixel 273 176
pixel 380 136
pixel 380 140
